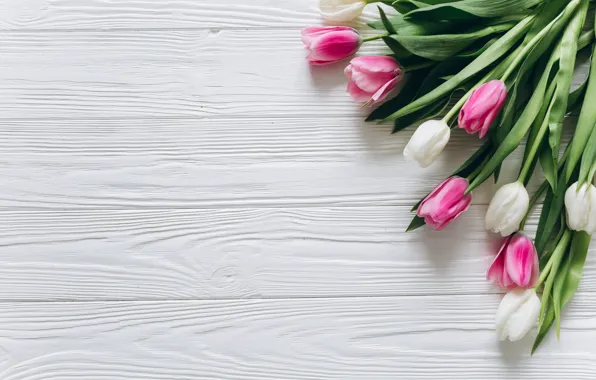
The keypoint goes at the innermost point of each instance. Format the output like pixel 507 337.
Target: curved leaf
pixel 471 9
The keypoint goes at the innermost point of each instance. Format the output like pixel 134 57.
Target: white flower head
pixel 341 10
pixel 507 209
pixel 428 142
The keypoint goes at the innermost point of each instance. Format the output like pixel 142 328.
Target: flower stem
pixel 372 38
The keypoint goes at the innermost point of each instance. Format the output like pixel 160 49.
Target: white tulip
pixel 428 142
pixel 507 209
pixel 341 10
pixel 581 207
pixel 517 314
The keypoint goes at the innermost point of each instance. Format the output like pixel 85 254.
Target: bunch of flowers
pixel 501 70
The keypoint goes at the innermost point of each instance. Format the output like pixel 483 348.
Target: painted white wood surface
pixel 184 198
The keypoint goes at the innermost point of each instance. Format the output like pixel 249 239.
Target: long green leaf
pixel 471 9
pixel 414 28
pixel 492 54
pixel 588 158
pixel 567 53
pixel 556 259
pixel 569 276
pixel 442 46
pixel 585 123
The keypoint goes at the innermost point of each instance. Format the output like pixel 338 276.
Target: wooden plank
pixel 184 73
pixel 251 162
pixel 231 253
pixel 307 339
pixel 150 14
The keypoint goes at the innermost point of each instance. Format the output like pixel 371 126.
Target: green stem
pixel 372 38
pixel 534 41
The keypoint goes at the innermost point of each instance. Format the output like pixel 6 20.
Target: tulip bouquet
pixel 501 70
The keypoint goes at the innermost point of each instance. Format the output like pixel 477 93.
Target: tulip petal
pixel 384 91
pixel 374 64
pixel 357 93
pixel 496 271
pixel 510 303
pixel 526 316
pixel 520 258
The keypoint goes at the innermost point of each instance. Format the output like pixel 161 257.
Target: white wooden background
pixel 182 197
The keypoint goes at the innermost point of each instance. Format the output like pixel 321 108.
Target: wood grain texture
pixel 167 73
pixel 307 339
pixel 151 14
pixel 254 162
pixel 231 253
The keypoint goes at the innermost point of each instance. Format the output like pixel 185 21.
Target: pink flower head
pixel 330 44
pixel 516 264
pixel 372 78
pixel 445 203
pixel 479 112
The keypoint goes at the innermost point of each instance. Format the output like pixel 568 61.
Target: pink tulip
pixel 516 264
pixel 445 203
pixel 330 44
pixel 372 78
pixel 483 107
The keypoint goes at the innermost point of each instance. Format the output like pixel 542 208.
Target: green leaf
pixel 544 325
pixel 386 23
pixel 578 253
pixel 585 124
pixel 550 216
pixel 537 135
pixel 492 54
pixel 569 276
pixel 546 162
pixel 416 223
pixel 416 28
pixel 471 9
pixel 588 158
pixel 555 261
pixel 396 48
pixel 429 112
pixel 442 46
pixel 567 52
pixel 405 6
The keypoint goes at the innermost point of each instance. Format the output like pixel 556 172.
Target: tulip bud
pixel 372 78
pixel 484 105
pixel 341 10
pixel 581 207
pixel 446 202
pixel 507 209
pixel 330 44
pixel 517 314
pixel 428 142
pixel 516 264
